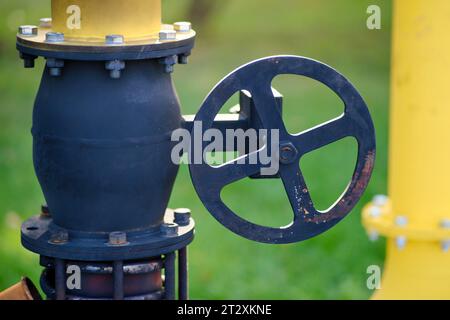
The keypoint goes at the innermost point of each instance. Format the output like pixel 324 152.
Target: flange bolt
pixel 28 31
pixel 182 26
pixel 167 35
pixel 169 229
pixel 445 224
pixel 54 37
pixel 115 68
pixel 182 216
pixel 114 39
pixel 45 23
pixel 59 237
pixel 117 238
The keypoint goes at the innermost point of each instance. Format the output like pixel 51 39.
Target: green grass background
pixel 223 265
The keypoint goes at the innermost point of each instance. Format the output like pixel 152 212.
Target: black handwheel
pixel 256 77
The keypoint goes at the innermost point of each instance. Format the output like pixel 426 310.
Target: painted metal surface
pixel 416 218
pixel 90 20
pixel 256 77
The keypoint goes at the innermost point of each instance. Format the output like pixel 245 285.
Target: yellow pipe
pixel 92 20
pixel 416 218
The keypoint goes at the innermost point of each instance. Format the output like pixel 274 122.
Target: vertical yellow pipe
pixel 416 219
pixel 94 19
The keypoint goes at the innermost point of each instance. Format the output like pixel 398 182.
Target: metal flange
pixel 45 42
pixel 42 236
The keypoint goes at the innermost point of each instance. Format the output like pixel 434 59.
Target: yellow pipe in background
pixel 92 20
pixel 416 217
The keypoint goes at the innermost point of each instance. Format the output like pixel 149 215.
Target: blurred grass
pixel 222 265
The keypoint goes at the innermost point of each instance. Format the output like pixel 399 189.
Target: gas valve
pixel 256 78
pixel 103 124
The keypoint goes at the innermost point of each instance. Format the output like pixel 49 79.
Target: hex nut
pixel 45 23
pixel 182 216
pixel 288 153
pixel 167 35
pixel 182 26
pixel 114 39
pixel 54 37
pixel 380 200
pixel 59 237
pixel 169 229
pixel 117 238
pixel 28 30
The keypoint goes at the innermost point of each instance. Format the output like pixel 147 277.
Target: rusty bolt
pixel 45 23
pixel 169 229
pixel 288 153
pixel 54 37
pixel 182 26
pixel 28 31
pixel 167 35
pixel 117 238
pixel 59 237
pixel 182 216
pixel 114 39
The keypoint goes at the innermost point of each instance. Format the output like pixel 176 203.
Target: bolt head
pixel 117 238
pixel 169 229
pixel 182 216
pixel 446 245
pixel 59 237
pixel 374 236
pixel 54 37
pixel 375 212
pixel 167 35
pixel 288 153
pixel 445 224
pixel 401 221
pixel 114 39
pixel 380 200
pixel 45 22
pixel 401 242
pixel 182 26
pixel 28 31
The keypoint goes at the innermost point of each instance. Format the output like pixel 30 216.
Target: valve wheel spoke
pixel 297 192
pixel 322 135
